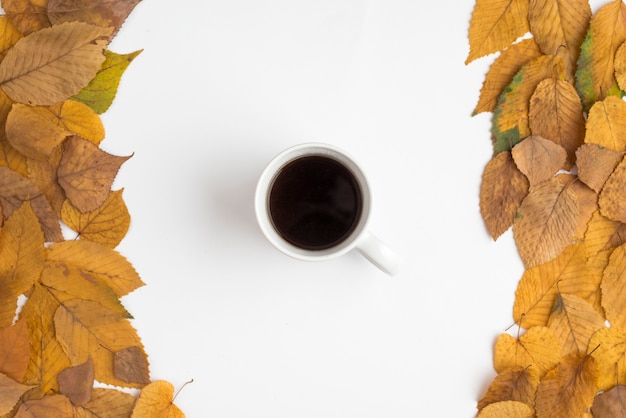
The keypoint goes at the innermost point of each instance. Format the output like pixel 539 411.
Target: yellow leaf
pixel 611 201
pixel 156 399
pixel 606 124
pixel 495 25
pixel 538 349
pixel 502 189
pixel 516 384
pixel 106 403
pixel 546 222
pixel 569 389
pixel 9 34
pixel 538 158
pixel 508 409
pixel 556 114
pixel 10 393
pixel 106 225
pixel 603 234
pixel 608 347
pixel 81 120
pixel 595 164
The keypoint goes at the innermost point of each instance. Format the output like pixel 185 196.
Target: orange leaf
pixel 10 393
pixel 611 201
pixel 156 399
pixel 77 382
pixel 608 347
pixel 86 173
pixel 538 349
pixel 610 404
pixel 595 164
pixel 495 25
pixel 509 409
pixel 502 189
pixel 14 350
pixel 516 384
pixel 606 124
pixel 569 389
pixel 538 158
pixel 546 222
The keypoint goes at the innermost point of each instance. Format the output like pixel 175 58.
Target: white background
pixel 223 86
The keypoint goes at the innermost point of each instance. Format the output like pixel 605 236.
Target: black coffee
pixel 315 202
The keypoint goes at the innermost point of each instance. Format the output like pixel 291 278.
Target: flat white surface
pixel 223 86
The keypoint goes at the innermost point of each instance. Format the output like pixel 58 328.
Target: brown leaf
pixel 10 393
pixel 556 113
pixel 502 189
pixel 610 404
pixel 131 365
pixel 614 288
pixel 107 403
pixel 35 70
pixel 611 201
pixel 608 347
pixel 27 15
pixel 574 321
pixel 595 164
pixel 495 25
pixel 559 27
pixel 103 13
pixel 509 409
pixel 54 406
pixel 86 173
pixel 156 399
pixel 568 390
pixel 538 349
pixel 538 158
pixel 502 71
pixel 16 189
pixel 44 175
pixel 106 225
pixel 516 384
pixel 14 350
pixel 546 222
pixel 77 382
pixel 606 124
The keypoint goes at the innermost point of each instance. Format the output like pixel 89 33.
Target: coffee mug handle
pixel 379 254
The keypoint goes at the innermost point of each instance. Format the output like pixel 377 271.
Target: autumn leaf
pixel 569 389
pixel 156 399
pixel 81 120
pixel 574 320
pixel 610 404
pixel 546 222
pixel 106 225
pixel 43 173
pixel 99 261
pixel 107 403
pixel 516 384
pixel 101 91
pixel 556 113
pixel 10 393
pixel 27 15
pixel 77 382
pixel 509 409
pixel 56 406
pixel 538 349
pixel 606 124
pixel 14 350
pixel 495 25
pixel 86 173
pixel 595 77
pixel 131 365
pixel 620 66
pixel 603 234
pixel 502 190
pixel 510 122
pixel 587 202
pixel 611 201
pixel 502 71
pixel 35 70
pixel 608 347
pixel 538 158
pixel 595 164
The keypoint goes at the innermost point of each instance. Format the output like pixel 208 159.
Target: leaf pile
pixel 558 179
pixel 62 325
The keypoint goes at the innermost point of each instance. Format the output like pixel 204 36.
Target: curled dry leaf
pixel 515 384
pixel 538 158
pixel 610 404
pixel 538 349
pixel 606 124
pixel 595 164
pixel 608 347
pixel 77 383
pixel 509 409
pixel 156 399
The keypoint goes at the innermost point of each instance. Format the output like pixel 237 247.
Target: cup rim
pixel 264 184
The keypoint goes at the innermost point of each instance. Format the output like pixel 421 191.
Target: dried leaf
pixel 587 202
pixel 569 389
pixel 106 225
pixel 81 120
pixel 131 365
pixel 559 27
pixel 510 122
pixel 107 403
pixel 516 384
pixel 10 393
pixel 101 91
pixel 595 77
pixel 538 158
pixel 156 399
pixel 610 404
pixel 27 15
pixel 509 409
pixel 495 25
pixel 502 71
pixel 86 173
pixel 502 190
pixel 574 321
pixel 606 124
pixel 538 349
pixel 546 222
pixel 99 261
pixel 54 406
pixel 14 350
pixel 611 201
pixel 608 347
pixel 77 383
pixel 539 286
pixel 595 164
pixel 35 71
pixel 556 113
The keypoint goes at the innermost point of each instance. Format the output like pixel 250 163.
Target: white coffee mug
pixel 356 236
